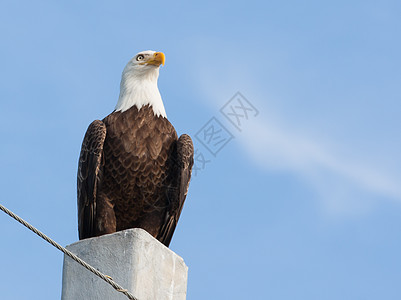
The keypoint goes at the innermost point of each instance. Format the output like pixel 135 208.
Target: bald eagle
pixel 133 171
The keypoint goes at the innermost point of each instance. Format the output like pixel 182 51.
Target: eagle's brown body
pixel 133 173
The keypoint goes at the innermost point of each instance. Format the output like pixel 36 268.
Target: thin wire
pixel 106 278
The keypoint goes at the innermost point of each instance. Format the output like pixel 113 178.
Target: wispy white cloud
pixel 344 181
pixel 347 174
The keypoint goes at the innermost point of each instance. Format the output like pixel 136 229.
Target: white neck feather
pixel 139 88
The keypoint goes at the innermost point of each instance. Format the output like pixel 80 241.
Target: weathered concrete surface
pixel 134 259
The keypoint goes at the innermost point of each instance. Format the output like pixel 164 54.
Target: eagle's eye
pixel 140 57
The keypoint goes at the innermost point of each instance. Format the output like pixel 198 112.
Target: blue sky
pixel 303 203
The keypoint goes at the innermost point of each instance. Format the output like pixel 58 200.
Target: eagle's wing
pixel 89 176
pixel 182 167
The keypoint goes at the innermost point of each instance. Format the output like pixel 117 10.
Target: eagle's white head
pixel 139 83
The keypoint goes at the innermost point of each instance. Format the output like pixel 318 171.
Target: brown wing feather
pixel 89 173
pixel 181 170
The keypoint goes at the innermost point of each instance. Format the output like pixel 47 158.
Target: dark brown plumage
pixel 133 173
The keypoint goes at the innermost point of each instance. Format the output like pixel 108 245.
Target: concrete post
pixel 134 259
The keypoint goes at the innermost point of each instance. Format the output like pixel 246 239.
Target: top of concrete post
pixel 134 259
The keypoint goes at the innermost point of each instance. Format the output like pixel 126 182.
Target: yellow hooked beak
pixel 157 59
